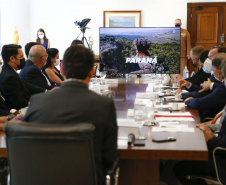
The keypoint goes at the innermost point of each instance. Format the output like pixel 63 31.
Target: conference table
pixel 141 165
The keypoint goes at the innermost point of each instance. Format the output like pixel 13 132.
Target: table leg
pixel 139 172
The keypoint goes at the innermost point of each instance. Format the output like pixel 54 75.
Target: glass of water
pixel 140 116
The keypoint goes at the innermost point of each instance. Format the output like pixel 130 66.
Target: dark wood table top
pixel 188 146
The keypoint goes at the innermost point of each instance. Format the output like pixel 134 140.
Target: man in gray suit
pixel 73 102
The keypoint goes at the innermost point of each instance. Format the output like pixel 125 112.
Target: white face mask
pixel 207 66
pixel 41 36
pixel 57 62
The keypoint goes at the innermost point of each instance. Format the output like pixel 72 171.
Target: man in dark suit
pixel 75 103
pixel 184 168
pixel 15 92
pixel 32 72
pixel 198 57
pixel 214 102
pixel 197 91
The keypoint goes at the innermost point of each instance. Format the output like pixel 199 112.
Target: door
pixel 206 23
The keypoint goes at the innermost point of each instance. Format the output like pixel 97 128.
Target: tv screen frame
pixel 140 50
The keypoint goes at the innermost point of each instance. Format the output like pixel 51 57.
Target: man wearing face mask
pixel 213 102
pixel 206 168
pixel 15 92
pixel 32 72
pixel 185 45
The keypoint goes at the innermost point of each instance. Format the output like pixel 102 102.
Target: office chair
pixel 220 180
pixel 50 154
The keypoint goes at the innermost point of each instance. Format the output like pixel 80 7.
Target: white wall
pixel 57 17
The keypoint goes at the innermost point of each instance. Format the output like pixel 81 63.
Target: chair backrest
pixel 50 154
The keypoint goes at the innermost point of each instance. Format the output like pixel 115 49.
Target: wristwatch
pixel 10 116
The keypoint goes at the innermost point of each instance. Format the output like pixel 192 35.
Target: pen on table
pixel 18 118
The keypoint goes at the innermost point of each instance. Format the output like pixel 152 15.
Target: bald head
pixel 38 55
pixel 212 52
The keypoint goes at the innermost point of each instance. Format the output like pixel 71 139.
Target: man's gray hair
pixel 218 59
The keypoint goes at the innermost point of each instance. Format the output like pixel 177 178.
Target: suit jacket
pixel 220 141
pixel 211 104
pixel 193 90
pixel 4 110
pixel 33 75
pixel 199 77
pixel 16 92
pixel 75 103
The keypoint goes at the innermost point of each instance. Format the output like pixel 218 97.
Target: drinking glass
pixel 150 114
pixel 140 116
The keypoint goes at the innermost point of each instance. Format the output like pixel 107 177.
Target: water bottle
pixel 185 73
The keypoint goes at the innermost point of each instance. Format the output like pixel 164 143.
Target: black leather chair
pixel 44 154
pixel 219 159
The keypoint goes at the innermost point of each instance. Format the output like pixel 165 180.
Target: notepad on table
pixel 167 129
pixel 125 122
pixel 179 114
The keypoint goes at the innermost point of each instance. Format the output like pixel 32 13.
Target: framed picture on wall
pixel 122 18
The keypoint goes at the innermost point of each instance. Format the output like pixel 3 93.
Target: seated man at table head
pixel 32 72
pixel 15 92
pixel 75 103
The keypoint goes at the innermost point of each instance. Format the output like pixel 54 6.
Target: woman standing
pixel 41 38
pixel 50 69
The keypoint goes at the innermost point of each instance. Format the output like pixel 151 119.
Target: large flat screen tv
pixel 140 50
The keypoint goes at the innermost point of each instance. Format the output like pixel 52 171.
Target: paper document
pixel 111 81
pixel 178 114
pixel 173 126
pixel 147 95
pixel 162 106
pixel 168 123
pixel 174 119
pixel 124 122
pixel 130 113
pixel 167 129
pixel 141 101
pixel 122 142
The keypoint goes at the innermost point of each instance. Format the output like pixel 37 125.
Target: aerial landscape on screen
pixel 140 50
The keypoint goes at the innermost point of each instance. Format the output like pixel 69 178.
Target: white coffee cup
pixel 174 85
pixel 175 106
pixel 168 91
pixel 177 97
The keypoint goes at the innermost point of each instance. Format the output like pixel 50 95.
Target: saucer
pixel 171 94
pixel 152 123
pixel 180 100
pixel 178 109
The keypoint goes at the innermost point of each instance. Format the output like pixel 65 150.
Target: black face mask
pixel 22 63
pixel 177 25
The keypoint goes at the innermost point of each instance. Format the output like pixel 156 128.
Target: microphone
pixel 131 139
